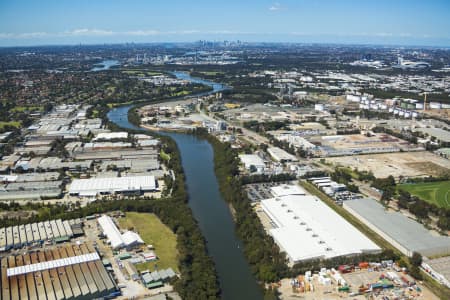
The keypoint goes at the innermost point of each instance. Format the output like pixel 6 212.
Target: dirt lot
pixel 407 164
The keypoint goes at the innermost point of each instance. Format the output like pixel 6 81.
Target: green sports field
pixel 433 192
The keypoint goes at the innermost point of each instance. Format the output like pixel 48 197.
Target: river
pixel 208 207
pixel 105 65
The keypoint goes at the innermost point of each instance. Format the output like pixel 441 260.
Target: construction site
pixel 353 144
pixel 405 164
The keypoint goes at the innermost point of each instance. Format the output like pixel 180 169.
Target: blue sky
pixel 39 22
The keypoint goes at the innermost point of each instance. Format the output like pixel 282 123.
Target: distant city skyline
pixel 383 22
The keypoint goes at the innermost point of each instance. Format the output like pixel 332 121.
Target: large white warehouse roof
pixel 118 240
pixel 306 228
pixel 111 136
pixel 95 186
pixel 111 231
pixel 286 189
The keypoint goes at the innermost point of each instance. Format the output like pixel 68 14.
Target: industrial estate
pixel 224 169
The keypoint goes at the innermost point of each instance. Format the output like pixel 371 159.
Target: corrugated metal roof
pixel 62 262
pixel 112 184
pixel 405 231
pixel 111 231
pixel 118 240
pixel 307 228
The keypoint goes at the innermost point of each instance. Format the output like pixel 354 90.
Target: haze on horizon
pixel 401 22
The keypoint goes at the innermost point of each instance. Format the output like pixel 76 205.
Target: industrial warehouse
pixel 15 237
pixel 405 234
pixel 253 161
pixel 68 272
pixel 95 160
pixel 55 259
pixel 306 228
pixel 112 185
pixel 127 240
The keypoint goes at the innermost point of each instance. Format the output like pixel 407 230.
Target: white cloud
pixel 85 32
pixel 142 32
pixel 276 6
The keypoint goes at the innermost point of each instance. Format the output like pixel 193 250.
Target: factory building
pixel 286 190
pixel 106 136
pixel 29 187
pixel 306 228
pixel 69 272
pixel 112 185
pixel 254 160
pixel 405 234
pixel 280 155
pixel 157 278
pixel 127 240
pixel 16 237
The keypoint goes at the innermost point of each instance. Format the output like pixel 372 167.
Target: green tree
pixel 416 259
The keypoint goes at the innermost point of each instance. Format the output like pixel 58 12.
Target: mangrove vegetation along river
pixel 208 206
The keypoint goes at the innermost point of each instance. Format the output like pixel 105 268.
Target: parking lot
pixel 260 191
pixel 346 195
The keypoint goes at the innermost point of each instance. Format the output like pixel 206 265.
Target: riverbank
pixel 154 128
pixel 209 209
pixel 267 263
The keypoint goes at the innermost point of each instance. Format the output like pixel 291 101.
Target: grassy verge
pixel 155 233
pixel 438 289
